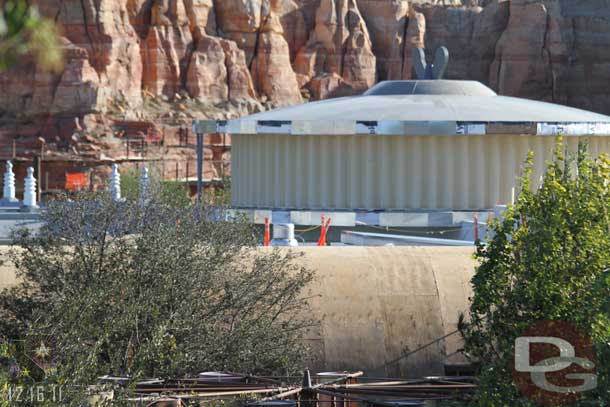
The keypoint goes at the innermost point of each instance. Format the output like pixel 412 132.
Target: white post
pixel 115 184
pixel 283 235
pixel 9 186
pixel 144 186
pixel 29 194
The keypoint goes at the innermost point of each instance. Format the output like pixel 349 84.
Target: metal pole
pixel 222 161
pixel 38 176
pixel 39 169
pixel 199 167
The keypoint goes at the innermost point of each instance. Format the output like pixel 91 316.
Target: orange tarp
pixel 76 181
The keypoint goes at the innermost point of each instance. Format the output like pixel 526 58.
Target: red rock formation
pixel 588 86
pixel 295 29
pixel 239 80
pixel 532 54
pixel 79 83
pixel 207 72
pixel 452 28
pixel 101 48
pixel 102 28
pixel 387 24
pixel 271 69
pixel 488 27
pixel 339 45
pixel 240 21
pixel 162 52
pixel 217 72
pixel 416 31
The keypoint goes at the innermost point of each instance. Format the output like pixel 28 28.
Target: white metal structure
pixel 406 145
pixel 283 235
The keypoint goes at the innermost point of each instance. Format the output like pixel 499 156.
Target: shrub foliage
pixel 548 259
pixel 153 290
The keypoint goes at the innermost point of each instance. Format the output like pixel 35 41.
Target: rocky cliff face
pixel 171 60
pixel 214 51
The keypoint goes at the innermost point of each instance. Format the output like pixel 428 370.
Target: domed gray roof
pixel 430 87
pixel 422 107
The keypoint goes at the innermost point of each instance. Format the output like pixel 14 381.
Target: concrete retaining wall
pixel 386 310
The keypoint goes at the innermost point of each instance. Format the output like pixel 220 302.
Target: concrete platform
pixel 12 218
pixel 380 239
pixel 407 219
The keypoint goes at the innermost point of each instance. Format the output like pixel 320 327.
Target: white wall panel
pixel 385 172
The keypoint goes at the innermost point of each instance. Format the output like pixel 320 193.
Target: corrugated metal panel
pixel 391 172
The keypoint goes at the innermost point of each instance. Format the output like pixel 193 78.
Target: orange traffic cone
pixel 267 232
pixel 322 230
pixel 328 221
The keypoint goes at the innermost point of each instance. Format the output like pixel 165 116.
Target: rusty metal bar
pixel 317 386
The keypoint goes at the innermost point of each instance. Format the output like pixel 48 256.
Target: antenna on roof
pixel 431 71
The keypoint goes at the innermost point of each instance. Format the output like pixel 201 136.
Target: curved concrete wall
pixel 385 172
pixel 379 307
pixel 386 310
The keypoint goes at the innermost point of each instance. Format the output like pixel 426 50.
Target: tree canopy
pixel 24 32
pixel 548 259
pixel 152 290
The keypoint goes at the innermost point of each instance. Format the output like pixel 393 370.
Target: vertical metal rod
pixel 163 167
pixel 186 174
pixel 222 158
pixel 42 145
pixel 199 167
pixel 38 176
pixel 14 148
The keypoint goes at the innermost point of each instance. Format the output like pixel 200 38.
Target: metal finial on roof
pixel 430 71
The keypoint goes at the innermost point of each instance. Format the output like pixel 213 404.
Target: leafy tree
pixel 23 32
pixel 548 260
pixel 172 193
pixel 153 291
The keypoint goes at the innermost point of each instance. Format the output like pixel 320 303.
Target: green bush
pixel 153 291
pixel 549 259
pixel 23 31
